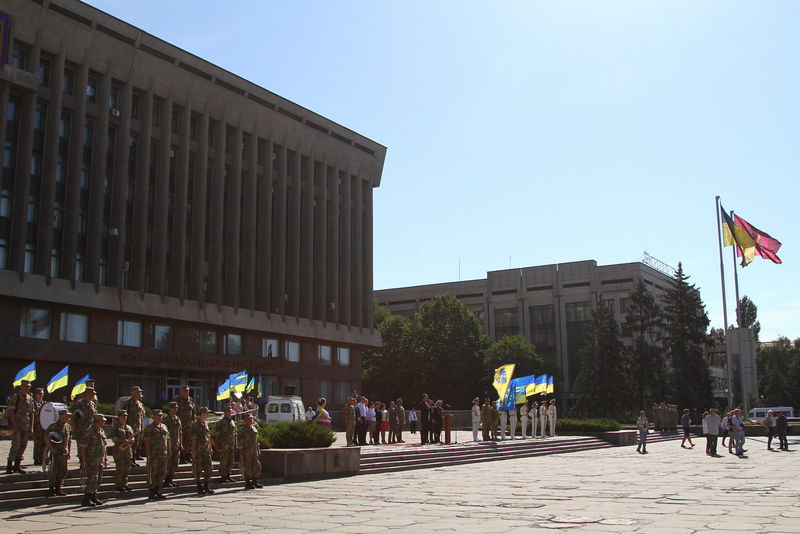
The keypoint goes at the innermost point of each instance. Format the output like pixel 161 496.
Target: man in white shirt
pixel 361 422
pixel 737 432
pixel 543 418
pixel 534 413
pixel 523 419
pixel 309 413
pixel 476 417
pixel 711 430
pixel 512 413
pixel 551 417
pixel 503 421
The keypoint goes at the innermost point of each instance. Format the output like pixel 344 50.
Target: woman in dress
pixel 323 417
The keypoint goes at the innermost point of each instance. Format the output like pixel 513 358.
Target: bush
pixel 588 425
pixel 263 440
pixel 298 435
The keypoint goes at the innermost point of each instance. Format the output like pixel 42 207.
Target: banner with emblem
pixel 502 378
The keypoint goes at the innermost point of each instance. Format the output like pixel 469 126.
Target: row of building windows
pixel 37 323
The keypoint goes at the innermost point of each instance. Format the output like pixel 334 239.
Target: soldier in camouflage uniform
pixel 60 451
pixel 156 445
pixel 21 410
pixel 82 417
pixel 38 431
pixel 249 453
pixel 201 452
pixel 350 420
pixel 135 410
pixel 173 424
pixel 187 416
pixel 93 452
pixel 122 435
pixel 225 443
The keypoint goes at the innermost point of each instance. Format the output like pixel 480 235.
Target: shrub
pixel 588 425
pixel 299 435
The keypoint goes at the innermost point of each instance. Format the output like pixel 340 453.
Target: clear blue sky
pixel 524 133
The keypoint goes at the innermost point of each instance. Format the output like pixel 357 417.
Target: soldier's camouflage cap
pixel 157 412
pixel 99 417
pixel 122 412
pixel 25 383
pixel 135 388
pixel 38 390
pixel 172 404
pixel 203 409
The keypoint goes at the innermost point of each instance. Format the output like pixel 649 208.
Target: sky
pixel 523 133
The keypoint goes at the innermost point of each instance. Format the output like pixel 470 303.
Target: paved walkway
pixel 670 490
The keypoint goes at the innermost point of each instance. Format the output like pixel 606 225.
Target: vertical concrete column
pixel 307 240
pixel 320 239
pixel 233 219
pixel 199 215
pixel 119 206
pixel 357 286
pixel 178 253
pixel 74 160
pixel 346 249
pixel 250 247
pixel 293 236
pixel 264 231
pixel 367 278
pixel 215 259
pixel 333 304
pixel 22 182
pixel 97 182
pixel 138 273
pixel 161 209
pixel 279 232
pixel 5 91
pixel 44 243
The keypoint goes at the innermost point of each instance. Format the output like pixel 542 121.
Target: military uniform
pixel 349 423
pixel 135 410
pixel 486 421
pixel 38 433
pixel 201 459
pixel 503 423
pixel 534 415
pixel 523 419
pixel 59 456
pixel 543 418
pixel 225 443
pixel 88 409
pixel 173 424
pixel 187 417
pixel 552 415
pixel 512 416
pixel 249 456
pixel 495 420
pixel 94 441
pixel 123 438
pixel 157 437
pixel 400 420
pixel 24 410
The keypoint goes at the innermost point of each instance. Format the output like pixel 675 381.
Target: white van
pixel 284 408
pixel 758 414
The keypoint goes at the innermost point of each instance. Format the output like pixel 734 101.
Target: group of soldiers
pixel 490 419
pixel 665 416
pixel 176 437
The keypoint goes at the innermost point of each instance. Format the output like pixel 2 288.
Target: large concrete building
pixel 163 221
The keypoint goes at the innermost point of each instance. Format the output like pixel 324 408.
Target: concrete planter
pixel 620 437
pixel 303 464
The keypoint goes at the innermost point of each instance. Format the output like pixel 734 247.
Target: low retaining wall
pixel 303 464
pixel 620 437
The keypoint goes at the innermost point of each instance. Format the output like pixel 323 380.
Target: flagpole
pixel 739 331
pixel 724 306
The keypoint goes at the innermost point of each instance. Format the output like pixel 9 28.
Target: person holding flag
pixel 21 410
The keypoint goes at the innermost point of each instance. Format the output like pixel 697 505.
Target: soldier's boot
pixel 119 489
pixel 18 469
pixel 208 490
pixel 160 496
pixel 255 483
pixel 87 500
pixel 9 468
pixel 247 484
pixel 167 482
pixel 200 489
pixel 95 500
pixel 151 494
pixel 60 492
pixel 51 492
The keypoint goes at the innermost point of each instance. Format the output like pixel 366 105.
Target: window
pixel 162 336
pixel 506 322
pixel 325 389
pixel 270 348
pixel 156 112
pixel 91 90
pixel 342 392
pixel 135 106
pixel 623 304
pixel 233 344
pixel 28 260
pixel 129 333
pixel 19 56
pixel 44 72
pixel 54 262
pixel 3 253
pixel 292 384
pixel 69 81
pixel 74 327
pixel 609 303
pixel 292 351
pixel 35 323
pixel 324 352
pixel 206 341
pixel 343 356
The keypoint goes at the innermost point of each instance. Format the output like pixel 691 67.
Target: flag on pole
pixel 519 388
pixel 733 234
pixel 26 373
pixel 251 385
pixel 539 386
pixel 502 377
pixel 224 390
pixel 260 387
pixel 60 380
pixel 238 381
pixel 766 246
pixel 79 387
pixel 550 388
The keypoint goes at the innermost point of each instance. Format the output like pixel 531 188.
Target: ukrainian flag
pixel 550 388
pixel 502 377
pixel 238 381
pixel 60 380
pixel 27 373
pixel 538 386
pixel 79 387
pixel 520 386
pixel 250 385
pixel 224 391
pixel 260 386
pixel 733 234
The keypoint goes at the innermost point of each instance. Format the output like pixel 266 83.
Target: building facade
pixel 163 221
pixel 551 305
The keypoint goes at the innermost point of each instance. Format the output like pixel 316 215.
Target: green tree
pixel 716 336
pixel 602 387
pixel 388 371
pixel 643 323
pixel 514 349
pixel 748 314
pixel 778 372
pixel 685 325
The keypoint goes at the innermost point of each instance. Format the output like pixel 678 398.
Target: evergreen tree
pixel 602 387
pixel 748 315
pixel 685 325
pixel 643 324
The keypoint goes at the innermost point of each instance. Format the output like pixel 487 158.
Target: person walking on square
pixel 157 445
pixel 412 420
pixel 686 423
pixel 723 427
pixel 769 424
pixel 781 428
pixel 349 420
pixel 135 410
pixel 225 444
pixel 175 427
pixel 425 419
pixel 543 418
pixel 523 419
pixel 552 417
pixel 123 439
pixel 38 431
pixel 201 452
pixel 712 431
pixel 249 453
pixel 21 410
pixel 476 418
pixel 534 415
pixel 187 417
pixel 643 426
pixel 93 451
pixel 737 430
pixel 400 416
pixel 486 420
pixel 58 439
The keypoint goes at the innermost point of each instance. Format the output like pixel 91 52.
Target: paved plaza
pixel 670 490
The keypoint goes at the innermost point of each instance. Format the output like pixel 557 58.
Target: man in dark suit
pixel 425 419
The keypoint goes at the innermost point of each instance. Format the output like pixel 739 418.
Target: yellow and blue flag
pixel 260 387
pixel 520 386
pixel 238 381
pixel 26 373
pixel 550 388
pixel 733 234
pixel 79 387
pixel 224 391
pixel 502 377
pixel 60 380
pixel 539 386
pixel 251 385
